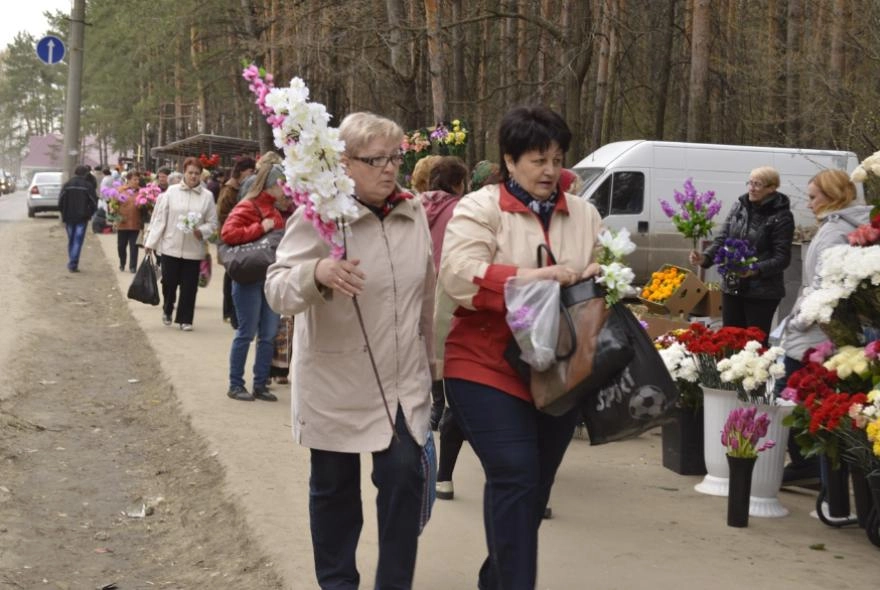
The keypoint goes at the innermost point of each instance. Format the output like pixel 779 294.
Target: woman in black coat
pixel 763 218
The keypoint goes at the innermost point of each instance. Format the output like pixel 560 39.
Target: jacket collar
pixel 406 207
pixel 511 204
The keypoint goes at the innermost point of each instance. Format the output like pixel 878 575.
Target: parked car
pixel 7 183
pixel 43 192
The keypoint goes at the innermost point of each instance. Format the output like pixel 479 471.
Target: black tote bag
pixel 145 286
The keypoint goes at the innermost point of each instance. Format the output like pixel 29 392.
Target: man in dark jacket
pixel 77 202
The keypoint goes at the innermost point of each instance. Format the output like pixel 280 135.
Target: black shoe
pixel 240 393
pixel 548 513
pixel 133 270
pixel 802 475
pixel 122 267
pixel 436 414
pixel 262 392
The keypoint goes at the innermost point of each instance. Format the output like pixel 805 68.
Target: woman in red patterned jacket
pixel 257 214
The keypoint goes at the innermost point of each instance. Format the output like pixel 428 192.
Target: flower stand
pixel 767 478
pixel 683 442
pixel 738 501
pixel 717 404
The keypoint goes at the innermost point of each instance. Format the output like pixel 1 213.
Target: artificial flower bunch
pixel 316 178
pixel 734 259
pixel 189 221
pixel 743 430
pixel 694 217
pixel 682 367
pixel 663 283
pixel 753 371
pixel 450 139
pixel 711 346
pixel 114 195
pixel 415 146
pixel 146 197
pixel 615 277
pixel 209 162
pixel 866 420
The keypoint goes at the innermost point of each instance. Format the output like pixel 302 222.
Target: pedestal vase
pixel 740 470
pixel 717 404
pixel 767 477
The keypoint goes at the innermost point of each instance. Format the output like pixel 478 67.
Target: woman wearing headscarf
pixel 340 410
pixel 494 235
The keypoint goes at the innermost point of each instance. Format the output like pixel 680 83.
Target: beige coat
pixel 336 403
pixel 174 204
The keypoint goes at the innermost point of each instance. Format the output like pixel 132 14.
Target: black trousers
pixel 743 312
pixel 228 304
pixel 183 274
pixel 126 240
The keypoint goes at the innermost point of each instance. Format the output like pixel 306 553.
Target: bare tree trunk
pixel 838 63
pixel 601 74
pixel 613 43
pixel 458 60
pixel 436 67
pixel 663 69
pixel 792 72
pixel 699 88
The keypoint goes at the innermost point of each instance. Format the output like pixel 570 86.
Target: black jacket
pixel 77 201
pixel 769 228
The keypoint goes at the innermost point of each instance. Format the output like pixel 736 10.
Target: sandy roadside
pixel 621 520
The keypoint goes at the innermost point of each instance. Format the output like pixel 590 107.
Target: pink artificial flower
pixel 872 350
pixel 821 352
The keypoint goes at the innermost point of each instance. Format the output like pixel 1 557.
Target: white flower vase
pixel 717 404
pixel 767 476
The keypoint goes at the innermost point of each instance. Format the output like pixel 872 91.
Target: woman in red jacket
pixel 257 214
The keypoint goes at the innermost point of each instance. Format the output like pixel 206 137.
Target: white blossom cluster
pixel 750 370
pixel 680 363
pixel 616 277
pixel 841 270
pixel 870 165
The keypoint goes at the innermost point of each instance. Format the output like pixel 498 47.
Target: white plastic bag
pixel 533 317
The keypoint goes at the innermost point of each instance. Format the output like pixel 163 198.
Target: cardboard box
pixel 683 299
pixel 660 324
pixel 709 305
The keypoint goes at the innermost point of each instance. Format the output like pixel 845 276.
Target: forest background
pixel 795 73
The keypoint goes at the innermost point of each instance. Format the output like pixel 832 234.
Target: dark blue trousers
pixel 76 235
pixel 520 449
pixel 337 517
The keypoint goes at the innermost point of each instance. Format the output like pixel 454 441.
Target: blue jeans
pixel 76 234
pixel 337 517
pixel 255 318
pixel 520 449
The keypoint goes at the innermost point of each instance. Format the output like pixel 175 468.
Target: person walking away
pixel 255 216
pixel 493 235
pixel 338 409
pixel 762 217
pixel 831 196
pixel 229 197
pixel 77 202
pixel 131 224
pixel 184 216
pixel 446 184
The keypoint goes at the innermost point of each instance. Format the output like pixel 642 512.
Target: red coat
pixel 245 221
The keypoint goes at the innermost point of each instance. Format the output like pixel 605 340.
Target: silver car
pixel 43 192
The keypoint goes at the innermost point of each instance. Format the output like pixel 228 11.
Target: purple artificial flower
pixel 522 318
pixel 667 208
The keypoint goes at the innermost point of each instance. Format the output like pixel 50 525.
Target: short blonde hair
pixel 359 129
pixel 421 174
pixel 837 188
pixel 766 174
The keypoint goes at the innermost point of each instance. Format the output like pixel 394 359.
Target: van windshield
pixel 588 177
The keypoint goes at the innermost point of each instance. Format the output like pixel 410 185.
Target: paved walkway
pixel 621 521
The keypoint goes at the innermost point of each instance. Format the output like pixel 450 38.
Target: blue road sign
pixel 50 49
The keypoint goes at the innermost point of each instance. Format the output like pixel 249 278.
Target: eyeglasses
pixel 381 161
pixel 755 184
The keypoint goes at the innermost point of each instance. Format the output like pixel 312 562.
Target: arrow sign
pixel 50 49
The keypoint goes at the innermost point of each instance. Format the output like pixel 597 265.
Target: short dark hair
pixel 164 170
pixel 529 128
pixel 242 164
pixel 447 174
pixel 82 170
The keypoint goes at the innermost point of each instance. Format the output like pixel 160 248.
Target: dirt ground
pixel 102 481
pixel 104 413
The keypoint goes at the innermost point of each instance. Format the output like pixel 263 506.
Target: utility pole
pixel 72 154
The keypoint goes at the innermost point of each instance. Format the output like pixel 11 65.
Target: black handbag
pixel 145 286
pixel 248 263
pixel 592 347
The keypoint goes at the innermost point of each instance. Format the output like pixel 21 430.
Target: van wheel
pixel 31 212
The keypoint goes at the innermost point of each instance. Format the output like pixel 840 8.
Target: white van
pixel 626 180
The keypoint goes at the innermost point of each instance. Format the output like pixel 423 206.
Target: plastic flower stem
pixel 360 317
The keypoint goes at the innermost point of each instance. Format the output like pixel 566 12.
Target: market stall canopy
pixel 225 147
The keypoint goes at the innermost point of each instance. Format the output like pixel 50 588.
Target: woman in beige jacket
pixel 494 235
pixel 338 408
